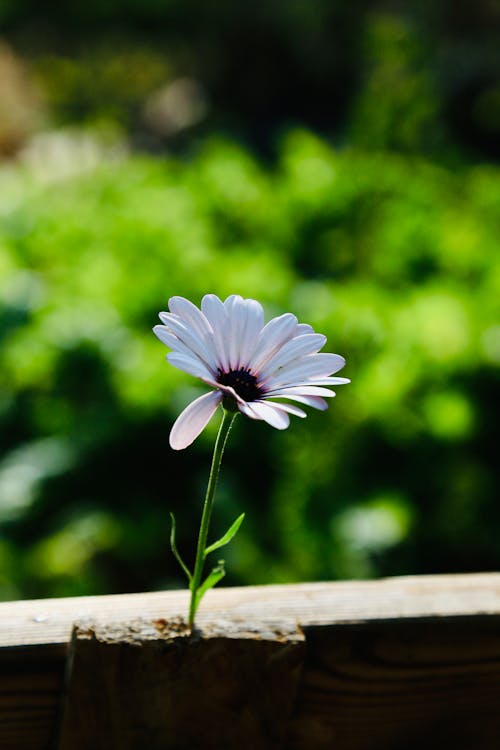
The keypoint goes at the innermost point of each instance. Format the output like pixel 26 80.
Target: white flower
pixel 249 364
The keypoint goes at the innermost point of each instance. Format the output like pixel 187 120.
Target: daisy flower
pixel 252 367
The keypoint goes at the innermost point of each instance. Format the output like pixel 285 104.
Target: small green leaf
pixel 211 580
pixel 175 551
pixel 230 533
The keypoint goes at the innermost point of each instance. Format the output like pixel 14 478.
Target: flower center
pixel 243 382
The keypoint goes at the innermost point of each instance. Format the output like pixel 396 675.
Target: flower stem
pixel 225 426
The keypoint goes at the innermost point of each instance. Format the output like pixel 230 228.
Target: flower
pixel 247 363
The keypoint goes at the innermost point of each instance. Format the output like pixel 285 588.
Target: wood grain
pixel 396 663
pixel 135 685
pixel 31 681
pixel 50 621
pixel 403 685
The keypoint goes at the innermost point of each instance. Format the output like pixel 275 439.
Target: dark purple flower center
pixel 243 382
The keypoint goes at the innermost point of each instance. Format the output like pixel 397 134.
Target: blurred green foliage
pixel 394 258
pixel 383 235
pixel 412 76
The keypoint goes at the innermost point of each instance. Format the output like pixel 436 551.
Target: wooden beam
pixel 31 683
pixel 400 685
pixel 50 621
pixel 153 685
pixel 394 663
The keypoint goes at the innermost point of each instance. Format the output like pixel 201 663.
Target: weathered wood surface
pixel 389 664
pixel 50 621
pixel 407 685
pixel 155 686
pixel 31 681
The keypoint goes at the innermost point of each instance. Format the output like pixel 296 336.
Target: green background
pixel 336 160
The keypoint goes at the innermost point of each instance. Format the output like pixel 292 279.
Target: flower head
pixel 248 364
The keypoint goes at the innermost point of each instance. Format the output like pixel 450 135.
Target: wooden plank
pixel 350 679
pixel 154 685
pixel 50 621
pixel 403 685
pixel 391 684
pixel 31 680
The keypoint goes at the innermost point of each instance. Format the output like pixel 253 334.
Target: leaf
pixel 211 580
pixel 230 533
pixel 175 551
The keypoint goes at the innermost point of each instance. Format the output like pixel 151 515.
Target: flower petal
pixel 327 381
pixel 224 389
pixel 295 349
pixel 193 420
pixel 191 339
pixel 315 401
pixel 251 327
pixel 314 381
pixel 308 368
pixel 235 311
pixel 189 363
pixel 216 314
pixel 303 328
pixel 229 391
pixel 289 408
pixel 171 340
pixel 266 412
pixel 246 409
pixel 190 314
pixel 233 299
pixel 272 337
pixel 304 389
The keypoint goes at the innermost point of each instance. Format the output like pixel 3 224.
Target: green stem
pixel 225 426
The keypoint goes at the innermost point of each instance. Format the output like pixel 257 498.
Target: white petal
pixel 193 420
pixel 171 340
pixel 303 328
pixel 212 307
pixel 327 381
pixel 314 381
pixel 308 368
pixel 168 338
pixel 289 408
pixel 294 349
pixel 268 413
pixel 188 336
pixel 230 392
pixel 190 314
pixel 246 409
pixel 272 337
pixel 189 363
pixel 224 389
pixel 231 300
pixel 234 306
pixel 250 331
pixel 215 312
pixel 315 401
pixel 235 318
pixel 301 390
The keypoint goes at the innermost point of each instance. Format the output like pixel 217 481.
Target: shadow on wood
pixel 31 683
pixel 146 685
pixel 401 685
pixel 396 664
